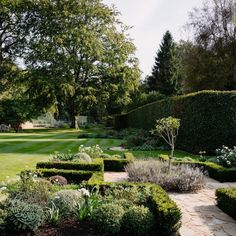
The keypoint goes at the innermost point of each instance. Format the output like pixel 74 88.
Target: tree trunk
pixel 74 122
pixel 171 158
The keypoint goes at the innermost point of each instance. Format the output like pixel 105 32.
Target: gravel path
pixel 200 215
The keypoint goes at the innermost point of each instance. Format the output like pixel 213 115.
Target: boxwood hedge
pixel 167 214
pixel 226 200
pixel 208 119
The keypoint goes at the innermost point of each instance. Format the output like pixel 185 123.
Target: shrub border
pixel 226 200
pixel 117 165
pixel 165 210
pixel 97 165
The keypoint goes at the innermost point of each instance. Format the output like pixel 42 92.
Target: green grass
pixel 20 151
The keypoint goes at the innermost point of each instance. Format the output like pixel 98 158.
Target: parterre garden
pixel 62 190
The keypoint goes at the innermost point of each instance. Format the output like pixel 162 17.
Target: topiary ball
pixel 58 180
pixel 108 218
pixel 65 200
pixel 138 220
pixel 83 157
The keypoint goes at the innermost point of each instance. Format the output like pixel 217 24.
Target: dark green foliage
pixel 108 218
pixel 142 99
pixel 95 166
pixel 167 214
pixel 96 135
pixel 15 112
pixel 72 176
pixel 138 220
pixel 23 216
pixel 163 78
pixel 208 119
pixel 226 200
pixel 114 164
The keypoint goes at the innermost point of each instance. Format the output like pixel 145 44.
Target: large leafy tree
pixel 164 77
pixel 209 60
pixel 80 56
pixel 15 21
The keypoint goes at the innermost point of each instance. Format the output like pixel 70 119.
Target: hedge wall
pixel 208 119
pixel 226 200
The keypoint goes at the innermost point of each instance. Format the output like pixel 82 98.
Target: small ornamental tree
pixel 167 128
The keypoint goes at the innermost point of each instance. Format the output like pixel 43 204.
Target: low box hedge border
pixel 73 176
pixel 226 200
pixel 117 165
pixel 214 170
pixel 167 214
pixel 97 165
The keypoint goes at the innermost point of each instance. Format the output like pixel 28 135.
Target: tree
pixel 14 112
pixel 14 22
pixel 164 78
pixel 209 60
pixel 167 129
pixel 80 55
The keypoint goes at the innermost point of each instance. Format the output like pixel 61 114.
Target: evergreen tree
pixel 164 75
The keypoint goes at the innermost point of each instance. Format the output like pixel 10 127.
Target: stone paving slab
pixel 201 216
pixel 115 176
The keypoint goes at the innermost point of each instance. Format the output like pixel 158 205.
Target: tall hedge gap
pixel 208 119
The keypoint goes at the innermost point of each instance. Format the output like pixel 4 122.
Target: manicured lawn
pixel 19 151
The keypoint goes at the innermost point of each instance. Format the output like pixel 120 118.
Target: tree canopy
pixel 209 60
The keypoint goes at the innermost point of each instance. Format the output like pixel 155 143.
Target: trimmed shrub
pixel 65 201
pixel 114 164
pixel 97 165
pixel 23 216
pixel 72 176
pixel 108 218
pixel 58 180
pixel 166 212
pixel 208 119
pixel 226 200
pixel 138 220
pixel 82 157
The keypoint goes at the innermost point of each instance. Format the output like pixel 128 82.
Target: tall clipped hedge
pixel 208 119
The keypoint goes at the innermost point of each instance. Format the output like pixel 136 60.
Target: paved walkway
pixel 201 216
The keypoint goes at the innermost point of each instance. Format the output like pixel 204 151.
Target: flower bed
pixel 226 200
pixel 104 209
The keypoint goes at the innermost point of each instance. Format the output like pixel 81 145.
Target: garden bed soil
pixel 68 228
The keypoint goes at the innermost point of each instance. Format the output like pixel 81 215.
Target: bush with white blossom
pixel 226 156
pixel 93 151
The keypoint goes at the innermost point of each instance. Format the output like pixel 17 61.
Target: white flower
pixel 3 188
pixel 84 192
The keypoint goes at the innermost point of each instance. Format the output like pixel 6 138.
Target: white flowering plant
pixel 93 151
pixel 226 156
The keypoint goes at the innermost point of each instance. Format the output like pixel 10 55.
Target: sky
pixel 150 20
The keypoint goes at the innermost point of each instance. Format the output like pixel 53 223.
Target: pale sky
pixel 150 20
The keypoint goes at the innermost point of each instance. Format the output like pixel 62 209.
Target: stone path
pixel 115 176
pixel 200 215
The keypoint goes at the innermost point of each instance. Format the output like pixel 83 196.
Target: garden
pixel 95 141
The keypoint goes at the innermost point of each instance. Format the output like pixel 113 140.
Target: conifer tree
pixel 164 75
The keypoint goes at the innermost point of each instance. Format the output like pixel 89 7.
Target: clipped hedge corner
pixel 226 200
